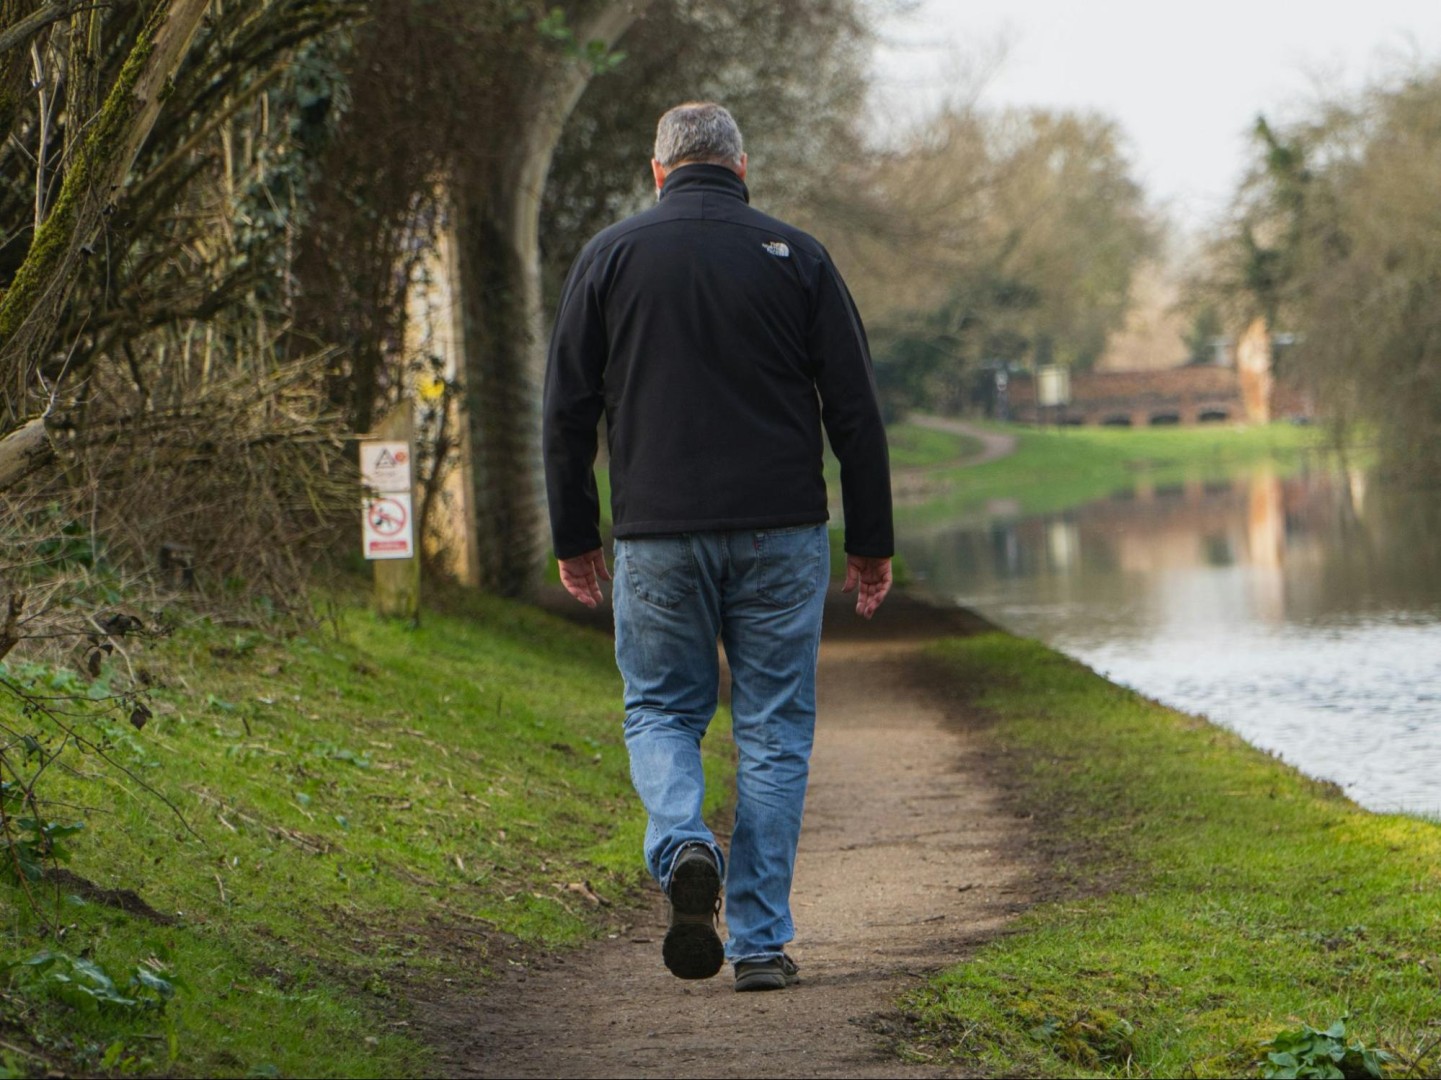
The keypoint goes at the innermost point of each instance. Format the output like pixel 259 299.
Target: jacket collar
pixel 698 178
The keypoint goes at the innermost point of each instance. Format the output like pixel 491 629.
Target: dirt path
pixel 912 486
pixel 993 444
pixel 906 861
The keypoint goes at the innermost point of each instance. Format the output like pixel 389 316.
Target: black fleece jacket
pixel 717 341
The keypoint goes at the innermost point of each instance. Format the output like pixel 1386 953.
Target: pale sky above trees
pixel 1185 81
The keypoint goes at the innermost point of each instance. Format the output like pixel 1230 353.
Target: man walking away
pixel 717 342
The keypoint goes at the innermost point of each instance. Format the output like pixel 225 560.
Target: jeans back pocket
pixel 660 570
pixel 789 564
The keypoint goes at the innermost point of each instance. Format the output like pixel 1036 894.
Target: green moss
pixel 89 176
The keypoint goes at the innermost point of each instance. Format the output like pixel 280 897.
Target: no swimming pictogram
pixel 387 528
pixel 387 516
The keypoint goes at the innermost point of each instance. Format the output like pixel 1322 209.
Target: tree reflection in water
pixel 1304 611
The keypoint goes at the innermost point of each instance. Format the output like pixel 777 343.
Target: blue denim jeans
pixel 760 593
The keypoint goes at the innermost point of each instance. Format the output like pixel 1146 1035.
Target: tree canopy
pixel 1336 241
pixel 1002 239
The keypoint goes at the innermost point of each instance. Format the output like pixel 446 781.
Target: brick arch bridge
pixel 1197 394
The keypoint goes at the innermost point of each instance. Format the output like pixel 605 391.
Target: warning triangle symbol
pixel 386 460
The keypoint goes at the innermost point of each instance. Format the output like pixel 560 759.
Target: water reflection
pixel 1303 611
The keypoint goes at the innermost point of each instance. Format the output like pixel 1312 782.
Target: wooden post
pixel 397 581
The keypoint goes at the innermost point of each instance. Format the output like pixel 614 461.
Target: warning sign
pixel 388 531
pixel 385 466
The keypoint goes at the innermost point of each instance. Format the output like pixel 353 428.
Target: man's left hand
pixel 582 574
pixel 873 577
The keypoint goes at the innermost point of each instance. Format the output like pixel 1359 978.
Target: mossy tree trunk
pixel 30 308
pixel 497 197
pixel 501 315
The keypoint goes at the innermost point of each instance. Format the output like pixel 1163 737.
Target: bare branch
pixel 44 281
pixel 20 33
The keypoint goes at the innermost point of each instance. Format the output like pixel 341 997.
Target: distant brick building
pixel 1195 394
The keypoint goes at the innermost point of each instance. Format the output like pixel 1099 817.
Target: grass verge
pixel 1054 468
pixel 369 809
pixel 1210 896
pixel 915 447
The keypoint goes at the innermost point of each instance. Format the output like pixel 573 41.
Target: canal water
pixel 1304 612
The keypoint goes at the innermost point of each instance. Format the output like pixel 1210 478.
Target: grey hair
pixel 698 131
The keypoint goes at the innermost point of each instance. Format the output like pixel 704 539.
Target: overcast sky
pixel 1185 80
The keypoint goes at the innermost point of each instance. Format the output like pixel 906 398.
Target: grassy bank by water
pixel 374 809
pixel 915 447
pixel 1053 468
pixel 1207 897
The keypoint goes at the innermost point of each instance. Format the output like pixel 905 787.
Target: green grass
pixel 1054 468
pixel 369 809
pixel 1210 895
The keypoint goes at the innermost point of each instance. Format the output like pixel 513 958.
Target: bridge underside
pixel 1137 414
pixel 1202 394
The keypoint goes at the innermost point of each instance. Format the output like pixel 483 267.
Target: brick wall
pixel 1139 398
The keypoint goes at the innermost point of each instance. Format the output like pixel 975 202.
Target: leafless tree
pixel 1336 239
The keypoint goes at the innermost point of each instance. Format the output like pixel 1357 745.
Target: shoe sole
pixel 692 949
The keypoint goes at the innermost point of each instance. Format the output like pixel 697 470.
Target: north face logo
pixel 778 249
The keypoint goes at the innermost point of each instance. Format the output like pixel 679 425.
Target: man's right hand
pixel 582 574
pixel 873 576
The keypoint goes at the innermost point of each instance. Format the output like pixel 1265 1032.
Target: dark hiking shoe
pixel 772 973
pixel 692 948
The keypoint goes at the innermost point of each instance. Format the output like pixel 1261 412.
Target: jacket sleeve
pixel 850 410
pixel 573 403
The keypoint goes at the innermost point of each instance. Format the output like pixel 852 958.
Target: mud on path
pixel 907 860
